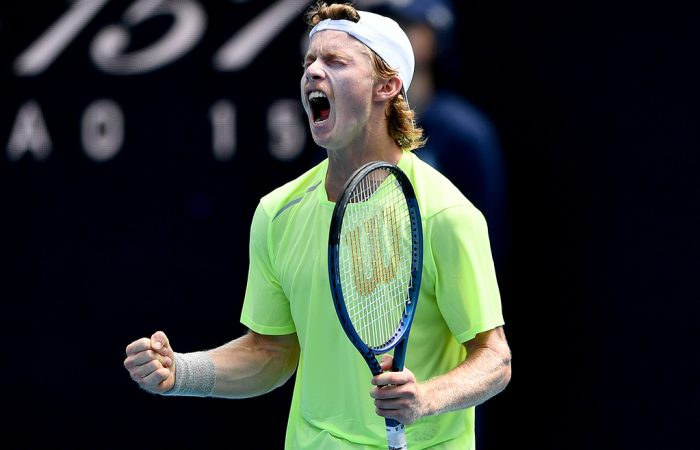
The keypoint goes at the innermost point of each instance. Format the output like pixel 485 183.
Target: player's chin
pixel 321 136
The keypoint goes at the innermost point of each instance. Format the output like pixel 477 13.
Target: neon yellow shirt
pixel 288 291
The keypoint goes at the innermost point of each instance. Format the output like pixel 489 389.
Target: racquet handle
pixel 395 435
pixel 395 432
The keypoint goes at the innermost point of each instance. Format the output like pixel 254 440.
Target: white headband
pixel 381 34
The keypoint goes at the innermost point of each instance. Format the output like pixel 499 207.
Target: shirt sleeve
pixel 466 286
pixel 266 308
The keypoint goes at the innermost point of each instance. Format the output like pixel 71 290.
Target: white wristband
pixel 195 375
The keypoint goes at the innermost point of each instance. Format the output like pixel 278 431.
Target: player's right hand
pixel 151 363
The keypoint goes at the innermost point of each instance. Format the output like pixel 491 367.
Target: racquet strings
pixel 375 257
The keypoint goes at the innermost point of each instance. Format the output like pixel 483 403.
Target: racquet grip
pixel 395 435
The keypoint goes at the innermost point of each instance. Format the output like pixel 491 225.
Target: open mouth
pixel 320 106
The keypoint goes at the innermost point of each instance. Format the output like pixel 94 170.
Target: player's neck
pixel 343 162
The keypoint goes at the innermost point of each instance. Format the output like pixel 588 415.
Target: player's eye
pixel 337 61
pixel 307 62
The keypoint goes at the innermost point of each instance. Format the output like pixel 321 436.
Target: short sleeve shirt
pixel 288 291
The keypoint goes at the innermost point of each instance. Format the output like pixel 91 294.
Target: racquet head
pixel 375 258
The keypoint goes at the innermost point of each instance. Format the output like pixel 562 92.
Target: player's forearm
pixel 485 373
pixel 251 365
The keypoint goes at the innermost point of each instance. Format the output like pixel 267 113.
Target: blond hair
pixel 401 119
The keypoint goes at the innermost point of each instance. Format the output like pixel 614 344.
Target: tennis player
pixel 356 71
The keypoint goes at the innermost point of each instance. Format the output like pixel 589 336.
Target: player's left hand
pixel 396 395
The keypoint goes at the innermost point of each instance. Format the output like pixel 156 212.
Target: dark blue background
pixel 596 107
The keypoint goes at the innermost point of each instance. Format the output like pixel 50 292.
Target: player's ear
pixel 386 89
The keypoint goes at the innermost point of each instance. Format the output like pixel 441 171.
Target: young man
pixel 457 356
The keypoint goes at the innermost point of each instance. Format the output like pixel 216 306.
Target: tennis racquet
pixel 375 260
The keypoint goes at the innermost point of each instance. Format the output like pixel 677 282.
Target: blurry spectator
pixel 462 142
